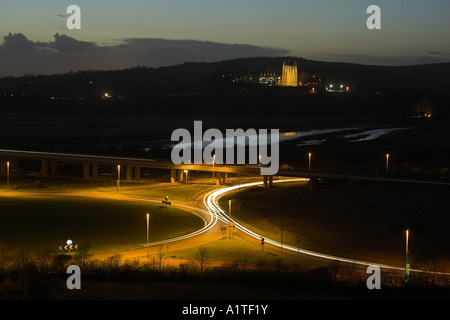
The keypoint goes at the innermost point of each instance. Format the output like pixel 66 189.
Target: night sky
pixel 121 34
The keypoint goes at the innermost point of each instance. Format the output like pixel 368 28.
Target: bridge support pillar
pixel 2 167
pixel 176 175
pixel 95 170
pixel 172 175
pixel 54 167
pixel 44 168
pixel 180 176
pixel 218 178
pixel 86 170
pixel 224 177
pixel 137 173
pixel 129 173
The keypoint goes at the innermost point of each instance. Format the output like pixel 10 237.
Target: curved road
pixel 214 219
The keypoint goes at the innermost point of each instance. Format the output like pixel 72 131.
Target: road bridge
pixel 133 166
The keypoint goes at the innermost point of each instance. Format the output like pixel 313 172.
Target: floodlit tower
pixel 289 76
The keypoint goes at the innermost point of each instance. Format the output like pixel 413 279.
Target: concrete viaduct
pixel 133 166
pixel 129 166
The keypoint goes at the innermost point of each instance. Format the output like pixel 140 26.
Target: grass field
pixel 360 220
pixel 43 222
pixel 233 252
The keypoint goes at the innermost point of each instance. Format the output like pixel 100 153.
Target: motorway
pixel 237 169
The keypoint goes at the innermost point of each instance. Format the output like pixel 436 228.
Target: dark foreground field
pixel 357 220
pixel 46 278
pixel 33 223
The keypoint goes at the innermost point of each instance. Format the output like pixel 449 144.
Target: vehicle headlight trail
pixel 211 201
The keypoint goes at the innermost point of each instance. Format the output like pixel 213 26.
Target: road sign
pixel 166 201
pixel 69 246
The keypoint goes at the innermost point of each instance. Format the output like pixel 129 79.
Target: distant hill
pixel 433 78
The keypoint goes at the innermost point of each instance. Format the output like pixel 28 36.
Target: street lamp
pixel 260 160
pixel 185 171
pixel 387 162
pixel 148 222
pixel 407 257
pixel 118 177
pixel 214 162
pixel 7 173
pixel 309 161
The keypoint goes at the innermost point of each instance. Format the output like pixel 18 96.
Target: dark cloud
pixel 19 55
pixel 17 43
pixel 67 44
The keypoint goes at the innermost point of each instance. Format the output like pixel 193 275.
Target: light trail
pixel 216 213
pixel 208 225
pixel 211 201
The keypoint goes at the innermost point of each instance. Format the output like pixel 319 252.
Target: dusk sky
pixel 119 34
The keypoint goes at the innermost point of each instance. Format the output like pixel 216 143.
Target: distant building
pixel 269 79
pixel 340 88
pixel 289 77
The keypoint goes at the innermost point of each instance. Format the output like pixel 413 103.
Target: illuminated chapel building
pixel 289 77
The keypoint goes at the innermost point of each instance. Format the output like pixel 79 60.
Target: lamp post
pixel 148 222
pixel 387 163
pixel 7 174
pixel 407 257
pixel 118 177
pixel 309 161
pixel 229 208
pixel 185 171
pixel 214 162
